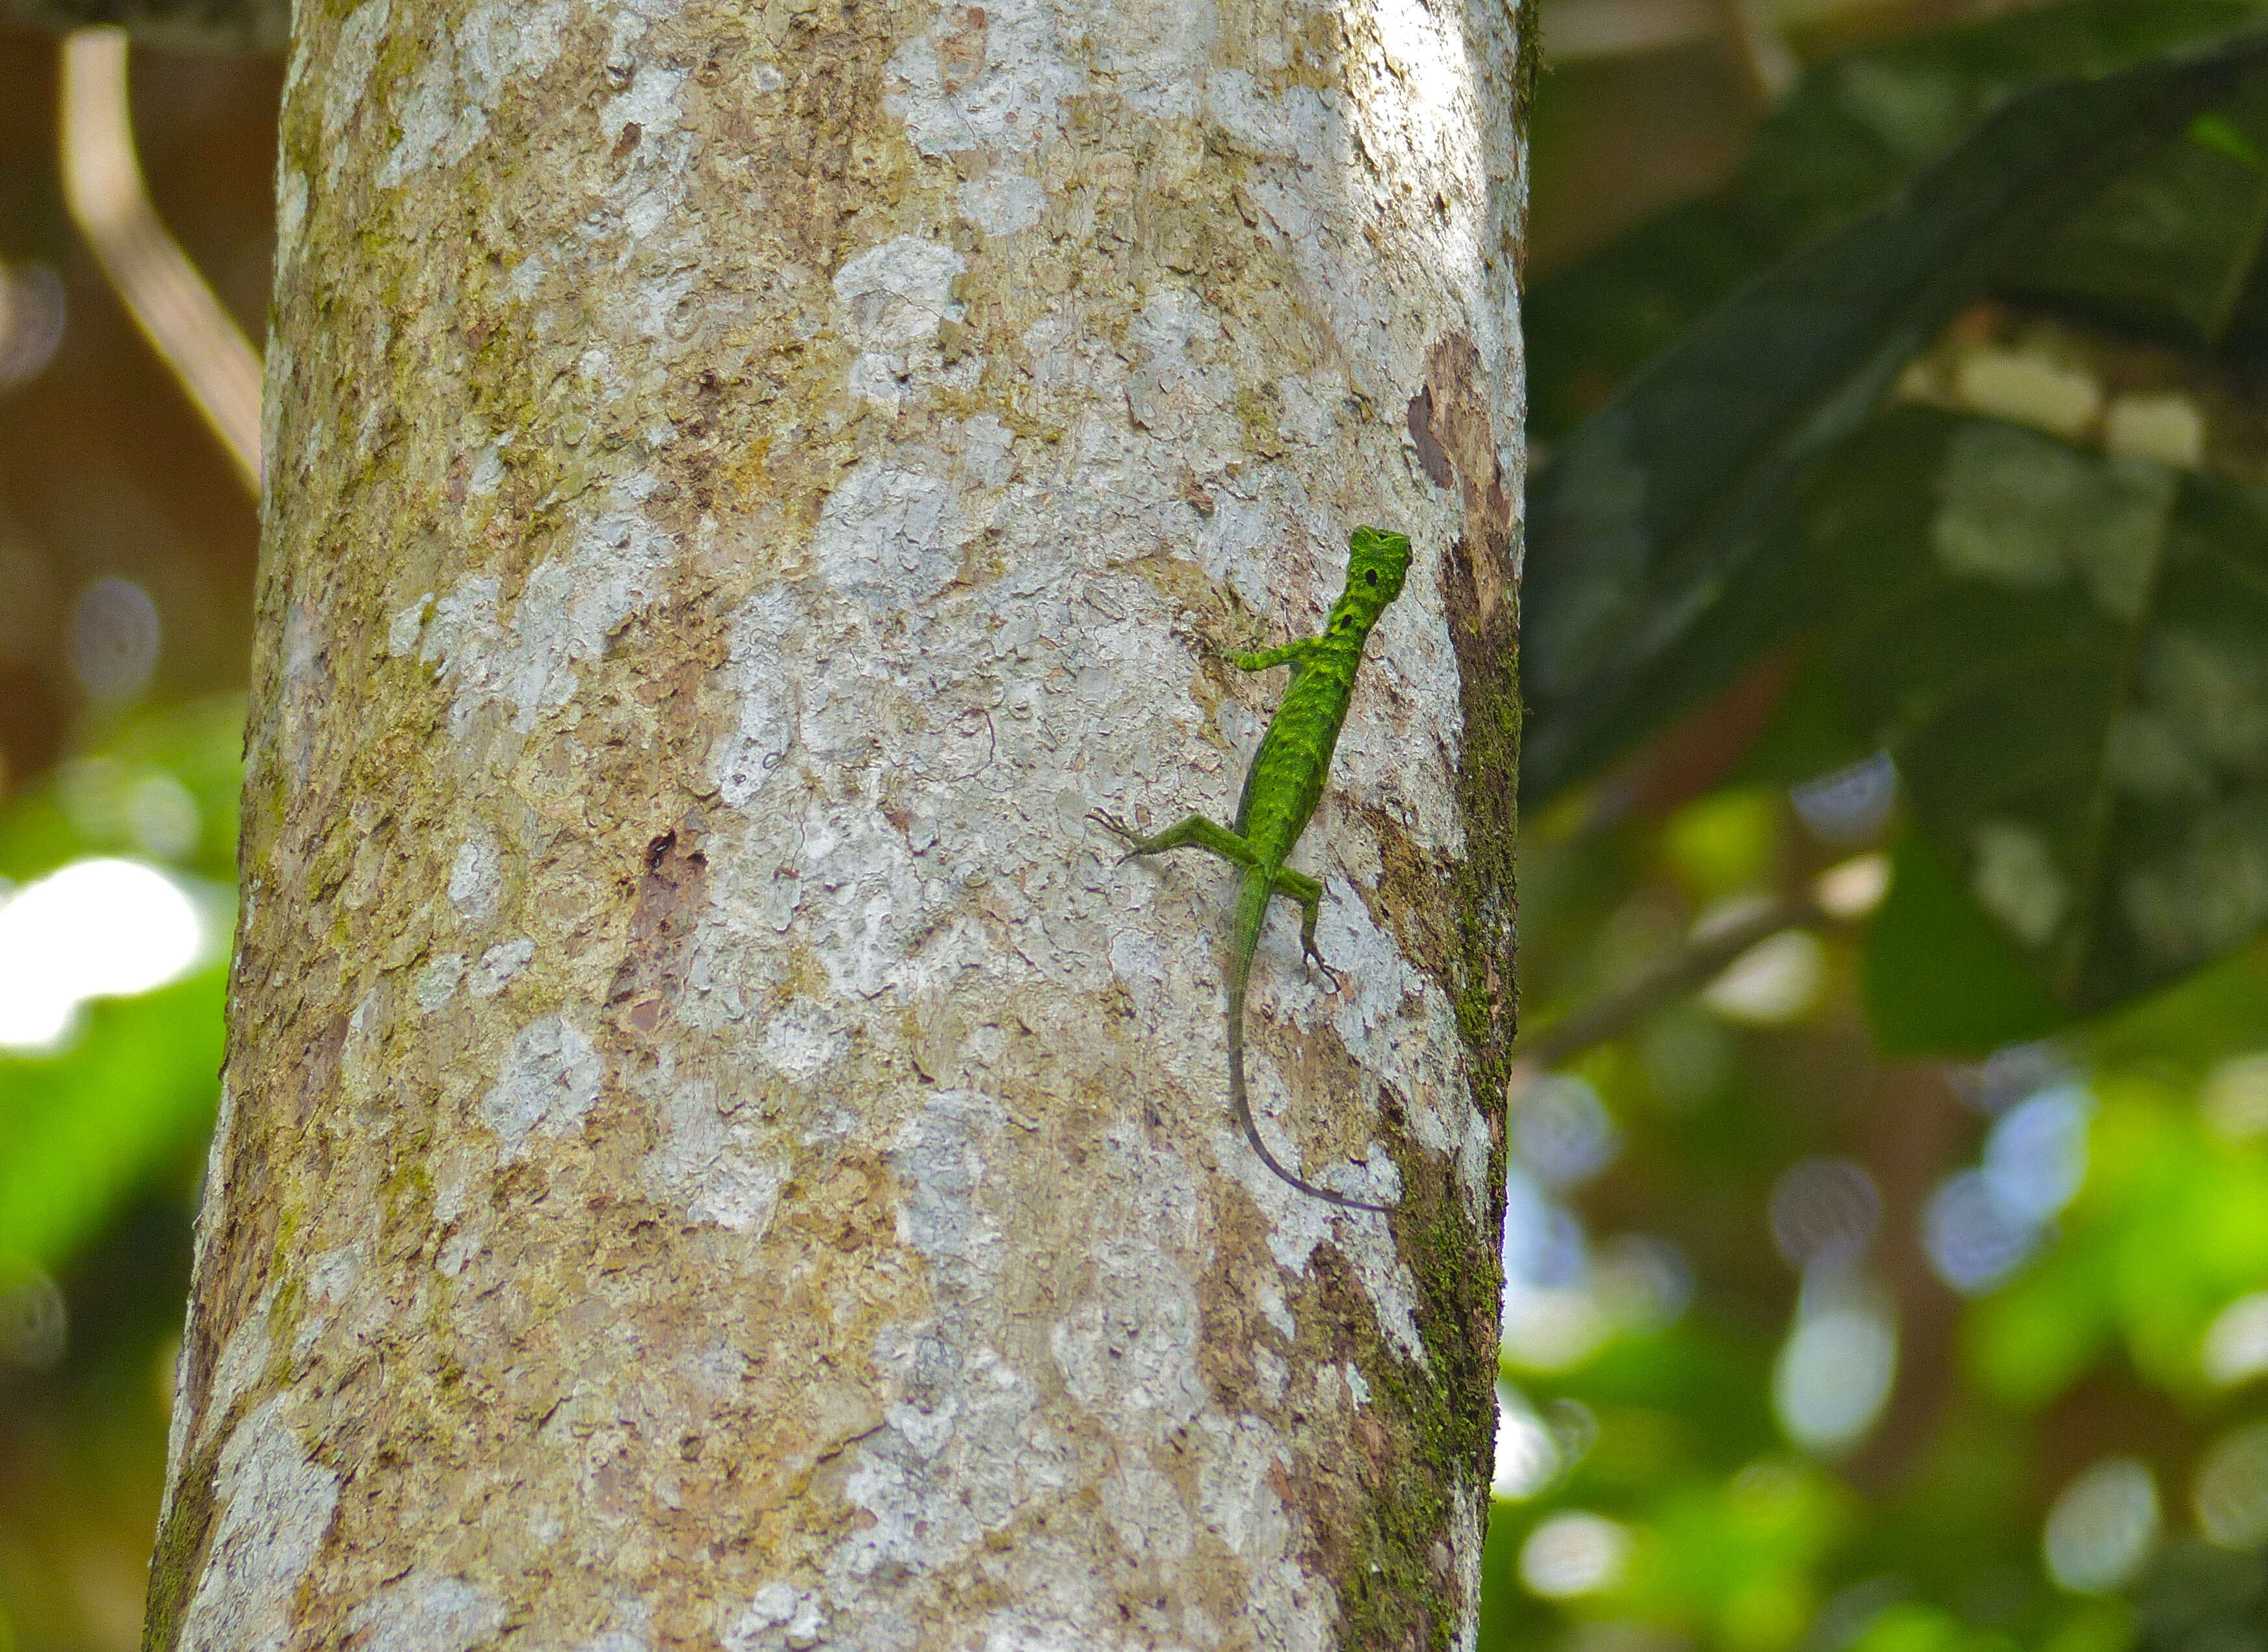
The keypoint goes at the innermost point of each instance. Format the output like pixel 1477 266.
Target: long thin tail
pixel 1240 970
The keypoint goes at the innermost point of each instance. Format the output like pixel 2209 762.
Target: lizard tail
pixel 1252 891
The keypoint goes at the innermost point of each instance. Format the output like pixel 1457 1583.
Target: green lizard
pixel 1281 790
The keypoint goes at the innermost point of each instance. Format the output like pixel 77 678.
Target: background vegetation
pixel 1888 1257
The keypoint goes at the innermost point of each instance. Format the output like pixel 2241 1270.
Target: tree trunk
pixel 715 1149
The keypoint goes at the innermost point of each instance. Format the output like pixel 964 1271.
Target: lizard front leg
pixel 1194 833
pixel 1292 654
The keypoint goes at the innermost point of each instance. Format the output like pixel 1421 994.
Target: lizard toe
pixel 1118 829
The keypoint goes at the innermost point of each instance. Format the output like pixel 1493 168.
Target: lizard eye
pixel 1369 576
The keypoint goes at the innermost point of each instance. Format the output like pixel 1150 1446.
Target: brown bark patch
pixel 672 896
pixel 1477 575
pixel 1456 442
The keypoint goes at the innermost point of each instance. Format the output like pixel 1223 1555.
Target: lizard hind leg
pixel 1309 894
pixel 1194 833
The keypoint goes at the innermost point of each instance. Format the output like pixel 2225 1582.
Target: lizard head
pixel 1374 574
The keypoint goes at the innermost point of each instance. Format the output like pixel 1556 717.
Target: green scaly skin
pixel 1281 790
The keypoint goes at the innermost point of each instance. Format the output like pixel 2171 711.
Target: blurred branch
pixel 225 25
pixel 1577 29
pixel 1769 66
pixel 1685 970
pixel 169 301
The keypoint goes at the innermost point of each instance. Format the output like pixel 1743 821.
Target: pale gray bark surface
pixel 715 1151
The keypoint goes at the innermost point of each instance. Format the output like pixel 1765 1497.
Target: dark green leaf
pixel 1852 131
pixel 1657 563
pixel 1938 980
pixel 2065 655
pixel 2169 249
pixel 1857 127
pixel 1809 734
pixel 2203 1018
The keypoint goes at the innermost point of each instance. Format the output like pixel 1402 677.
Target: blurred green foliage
pixel 82 1129
pixel 100 1145
pixel 1660 562
pixel 2099 1339
pixel 1851 133
pixel 1918 1298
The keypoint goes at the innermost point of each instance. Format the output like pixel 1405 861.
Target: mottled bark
pixel 715 1151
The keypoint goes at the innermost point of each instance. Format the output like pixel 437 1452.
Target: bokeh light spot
pixel 1854 888
pixel 34 1323
pixel 2235 1346
pixel 1825 1210
pixel 2102 1528
pixel 1552 1329
pixel 1563 1132
pixel 31 312
pixel 1775 981
pixel 1643 1282
pixel 2231 1493
pixel 2036 1156
pixel 1972 1240
pixel 96 928
pixel 2010 1074
pixel 114 637
pixel 1848 806
pixel 1834 1374
pixel 2235 1096
pixel 162 817
pixel 1544 1244
pixel 1573 1555
pixel 1526 1457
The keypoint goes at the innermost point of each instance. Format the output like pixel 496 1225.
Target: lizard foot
pixel 1118 829
pixel 1337 980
